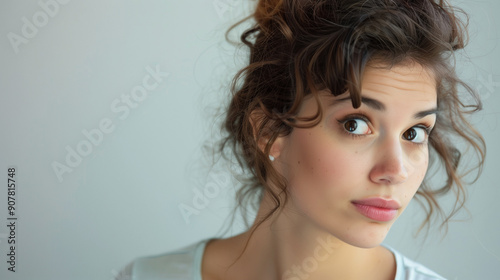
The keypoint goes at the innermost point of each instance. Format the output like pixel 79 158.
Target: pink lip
pixel 377 209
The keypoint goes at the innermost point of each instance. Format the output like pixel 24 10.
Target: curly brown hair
pixel 299 47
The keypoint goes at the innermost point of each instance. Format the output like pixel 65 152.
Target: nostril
pixel 389 171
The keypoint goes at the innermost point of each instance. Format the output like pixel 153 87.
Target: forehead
pixel 412 80
pixel 407 85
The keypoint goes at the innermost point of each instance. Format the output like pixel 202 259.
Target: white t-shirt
pixel 185 264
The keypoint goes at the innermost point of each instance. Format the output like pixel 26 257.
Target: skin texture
pixel 378 150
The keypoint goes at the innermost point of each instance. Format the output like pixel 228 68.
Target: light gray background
pixel 122 201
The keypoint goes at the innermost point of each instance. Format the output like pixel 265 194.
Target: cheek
pixel 417 160
pixel 418 163
pixel 321 167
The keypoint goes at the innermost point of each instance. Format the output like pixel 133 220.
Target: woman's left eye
pixel 416 134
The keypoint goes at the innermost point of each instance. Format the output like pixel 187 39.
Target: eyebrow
pixel 379 106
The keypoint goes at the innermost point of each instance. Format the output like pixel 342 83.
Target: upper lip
pixel 379 202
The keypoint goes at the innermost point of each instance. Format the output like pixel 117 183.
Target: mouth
pixel 377 209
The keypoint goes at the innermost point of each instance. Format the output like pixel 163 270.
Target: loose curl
pixel 299 47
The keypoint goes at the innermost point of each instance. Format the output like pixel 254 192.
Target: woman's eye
pixel 356 126
pixel 415 134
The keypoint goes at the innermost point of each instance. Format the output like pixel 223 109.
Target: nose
pixel 389 167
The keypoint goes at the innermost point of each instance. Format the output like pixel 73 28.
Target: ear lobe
pixel 276 147
pixel 257 117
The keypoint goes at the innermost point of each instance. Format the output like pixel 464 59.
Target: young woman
pixel 338 115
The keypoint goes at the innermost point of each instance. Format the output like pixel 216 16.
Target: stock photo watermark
pixel 223 6
pixel 120 275
pixel 121 106
pixel 309 265
pixel 47 9
pixel 201 198
pixel 11 221
pixel 486 86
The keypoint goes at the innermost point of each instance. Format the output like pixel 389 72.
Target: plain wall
pixel 72 75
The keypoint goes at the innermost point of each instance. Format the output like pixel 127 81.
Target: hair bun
pixel 266 10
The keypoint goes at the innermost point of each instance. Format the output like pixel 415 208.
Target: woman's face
pixel 355 172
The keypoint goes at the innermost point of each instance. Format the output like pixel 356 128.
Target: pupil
pixel 351 125
pixel 410 134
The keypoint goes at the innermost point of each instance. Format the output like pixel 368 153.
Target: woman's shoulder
pixel 185 264
pixel 408 269
pixel 181 264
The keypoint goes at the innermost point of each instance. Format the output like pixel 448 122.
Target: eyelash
pixel 426 127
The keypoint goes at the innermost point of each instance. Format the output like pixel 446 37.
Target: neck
pixel 286 246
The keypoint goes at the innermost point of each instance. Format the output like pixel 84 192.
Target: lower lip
pixel 377 213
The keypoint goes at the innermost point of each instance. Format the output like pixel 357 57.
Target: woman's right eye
pixel 356 126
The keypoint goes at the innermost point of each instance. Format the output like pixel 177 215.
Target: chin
pixel 367 236
pixel 367 243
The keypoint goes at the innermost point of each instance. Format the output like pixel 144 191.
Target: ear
pixel 277 147
pixel 257 119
